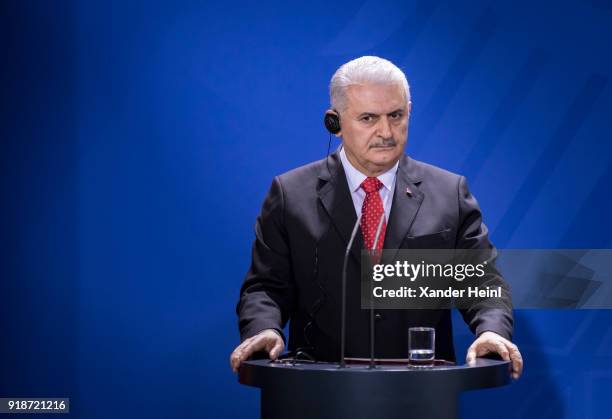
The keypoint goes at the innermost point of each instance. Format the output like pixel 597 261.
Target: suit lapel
pixel 407 199
pixel 336 198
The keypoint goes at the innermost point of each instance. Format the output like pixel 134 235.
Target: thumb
pixel 471 355
pixel 276 349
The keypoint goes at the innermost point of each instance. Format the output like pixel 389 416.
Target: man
pixel 307 218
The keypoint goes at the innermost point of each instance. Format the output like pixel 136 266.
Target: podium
pixel 391 390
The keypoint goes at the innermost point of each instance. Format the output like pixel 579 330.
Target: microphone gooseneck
pixel 343 314
pixel 374 255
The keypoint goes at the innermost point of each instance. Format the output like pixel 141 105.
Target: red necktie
pixel 371 211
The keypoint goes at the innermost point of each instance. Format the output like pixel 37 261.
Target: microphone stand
pixel 343 314
pixel 372 326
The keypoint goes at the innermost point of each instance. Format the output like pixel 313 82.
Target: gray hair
pixel 362 70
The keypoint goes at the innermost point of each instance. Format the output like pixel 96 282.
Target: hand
pixel 490 342
pixel 267 340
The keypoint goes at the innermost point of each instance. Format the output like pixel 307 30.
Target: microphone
pixel 343 315
pixel 374 255
pixel 378 231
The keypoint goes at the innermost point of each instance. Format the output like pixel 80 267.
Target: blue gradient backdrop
pixel 138 139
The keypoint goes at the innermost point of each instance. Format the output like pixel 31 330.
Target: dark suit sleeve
pixel 268 291
pixel 473 234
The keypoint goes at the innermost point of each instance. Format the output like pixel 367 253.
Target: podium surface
pixel 391 390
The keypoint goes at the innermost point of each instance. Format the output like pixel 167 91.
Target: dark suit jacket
pixel 301 236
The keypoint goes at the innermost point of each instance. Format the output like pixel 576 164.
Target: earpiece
pixel 332 121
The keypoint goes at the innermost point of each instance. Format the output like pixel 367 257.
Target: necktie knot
pixel 371 184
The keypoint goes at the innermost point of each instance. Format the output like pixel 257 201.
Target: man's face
pixel 374 126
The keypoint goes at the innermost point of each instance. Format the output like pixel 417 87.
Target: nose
pixel 384 128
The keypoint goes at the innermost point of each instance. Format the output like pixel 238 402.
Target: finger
pixel 515 357
pixel 484 348
pixel 248 349
pixel 493 346
pixel 231 359
pixel 240 347
pixel 236 357
pixel 235 360
pixel 243 351
pixel 471 355
pixel 517 362
pixel 479 348
pixel 501 349
pixel 270 345
pixel 277 348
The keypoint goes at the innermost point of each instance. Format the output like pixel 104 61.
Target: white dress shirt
pixel 355 178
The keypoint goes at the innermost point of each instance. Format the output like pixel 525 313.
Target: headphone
pixel 332 121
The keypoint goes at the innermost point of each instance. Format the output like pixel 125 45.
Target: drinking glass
pixel 421 345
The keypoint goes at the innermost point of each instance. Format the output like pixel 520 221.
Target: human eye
pixel 396 115
pixel 367 118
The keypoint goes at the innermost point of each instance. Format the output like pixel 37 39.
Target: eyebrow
pixel 374 114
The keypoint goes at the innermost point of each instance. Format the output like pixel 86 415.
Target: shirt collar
pixel 355 178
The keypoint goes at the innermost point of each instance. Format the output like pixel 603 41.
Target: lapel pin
pixel 408 192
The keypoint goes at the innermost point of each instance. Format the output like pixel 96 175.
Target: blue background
pixel 138 140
